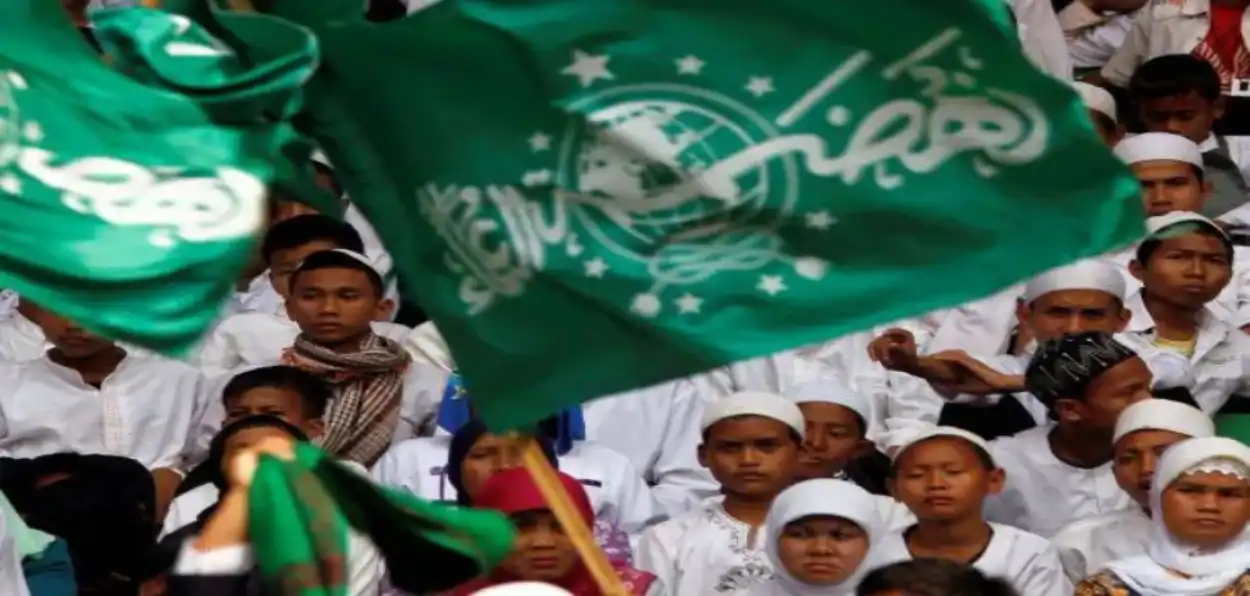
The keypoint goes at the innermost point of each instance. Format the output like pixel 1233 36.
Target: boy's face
pixel 284 262
pixel 1188 271
pixel 751 456
pixel 1114 390
pixel 943 478
pixel 333 306
pixel 1187 115
pixel 70 340
pixel 1136 455
pixel 1169 185
pixel 832 436
pixel 274 401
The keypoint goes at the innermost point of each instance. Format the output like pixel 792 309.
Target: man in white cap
pixel 1143 431
pixel 1169 167
pixel 1184 264
pixel 751 444
pixel 1102 111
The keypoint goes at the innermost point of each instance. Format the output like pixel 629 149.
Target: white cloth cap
pixel 1163 414
pixel 359 257
pixel 1208 573
pixel 1096 99
pixel 831 391
pixel 524 589
pixel 934 432
pixel 1090 274
pixel 1158 223
pixel 826 497
pixel 754 403
pixel 1158 146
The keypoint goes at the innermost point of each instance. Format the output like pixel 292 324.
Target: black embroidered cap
pixel 1065 367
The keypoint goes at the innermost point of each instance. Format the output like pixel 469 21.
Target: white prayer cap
pixel 1159 223
pixel 1090 274
pixel 831 391
pixel 1163 414
pixel 1158 146
pixel 754 403
pixel 1096 98
pixel 319 156
pixel 523 589
pixel 934 432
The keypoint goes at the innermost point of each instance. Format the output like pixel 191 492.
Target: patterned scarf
pixel 368 391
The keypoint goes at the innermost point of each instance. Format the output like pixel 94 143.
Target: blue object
pixel 455 411
pixel 50 573
pixel 570 428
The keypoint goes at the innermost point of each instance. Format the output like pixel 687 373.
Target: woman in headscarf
pixel 820 534
pixel 1199 543
pixel 543 553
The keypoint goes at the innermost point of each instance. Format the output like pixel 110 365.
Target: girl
pixel 1199 544
pixel 820 533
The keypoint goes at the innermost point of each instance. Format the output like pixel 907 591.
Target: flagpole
pixel 575 528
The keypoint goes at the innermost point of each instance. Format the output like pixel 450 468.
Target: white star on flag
pixel 588 68
pixel 771 285
pixel 540 142
pixel 16 79
pixel 690 65
pixel 760 86
pixel 595 268
pixel 10 184
pixel 536 178
pixel 811 267
pixel 820 220
pixel 689 303
pixel 647 305
pixel 33 132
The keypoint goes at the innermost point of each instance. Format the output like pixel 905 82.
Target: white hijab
pixel 1209 573
pixel 821 496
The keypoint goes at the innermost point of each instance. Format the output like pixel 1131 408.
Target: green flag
pixel 589 197
pixel 299 512
pixel 130 204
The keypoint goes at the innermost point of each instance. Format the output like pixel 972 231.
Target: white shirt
pixel 705 552
pixel 1159 29
pixel 1042 38
pixel 617 493
pixel 145 410
pixel 1093 38
pixel 21 340
pixel 1027 561
pixel 1087 545
pixel 12 581
pixel 1221 359
pixel 254 339
pixel 1042 493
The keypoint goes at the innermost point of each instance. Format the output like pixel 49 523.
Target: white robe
pixel 617 493
pixel 705 552
pixel 255 339
pixel 12 581
pixel 1086 546
pixel 1026 560
pixel 1042 493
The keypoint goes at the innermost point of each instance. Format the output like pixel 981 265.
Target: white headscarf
pixel 821 496
pixel 1209 573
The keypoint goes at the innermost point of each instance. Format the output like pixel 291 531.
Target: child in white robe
pixel 944 476
pixel 821 535
pixel 1199 542
pixel 751 444
pixel 1142 433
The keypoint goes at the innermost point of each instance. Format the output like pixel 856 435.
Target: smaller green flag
pixel 300 511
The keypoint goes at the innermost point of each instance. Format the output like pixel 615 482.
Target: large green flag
pixel 130 203
pixel 300 510
pixel 591 196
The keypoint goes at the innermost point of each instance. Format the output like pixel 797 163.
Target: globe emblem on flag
pixel 643 164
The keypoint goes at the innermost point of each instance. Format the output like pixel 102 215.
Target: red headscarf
pixel 514 491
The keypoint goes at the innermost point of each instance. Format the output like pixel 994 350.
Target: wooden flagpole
pixel 574 526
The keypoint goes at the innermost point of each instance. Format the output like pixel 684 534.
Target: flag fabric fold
pixel 300 511
pixel 589 197
pixel 131 203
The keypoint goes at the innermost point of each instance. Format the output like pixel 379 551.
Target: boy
pixel 751 444
pixel 835 444
pixel 1143 432
pixel 89 395
pixel 1180 94
pixel 1102 111
pixel 1061 472
pixel 944 476
pixel 931 577
pixel 255 338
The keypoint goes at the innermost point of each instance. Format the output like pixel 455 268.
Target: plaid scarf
pixel 368 390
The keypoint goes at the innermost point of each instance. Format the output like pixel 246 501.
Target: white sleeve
pixel 364 566
pixel 1042 37
pixel 637 507
pixel 230 560
pixel 1119 69
pixel 912 405
pixel 679 481
pixel 11 580
pixel 218 353
pixel 1043 576
pixel 654 558
pixel 423 391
